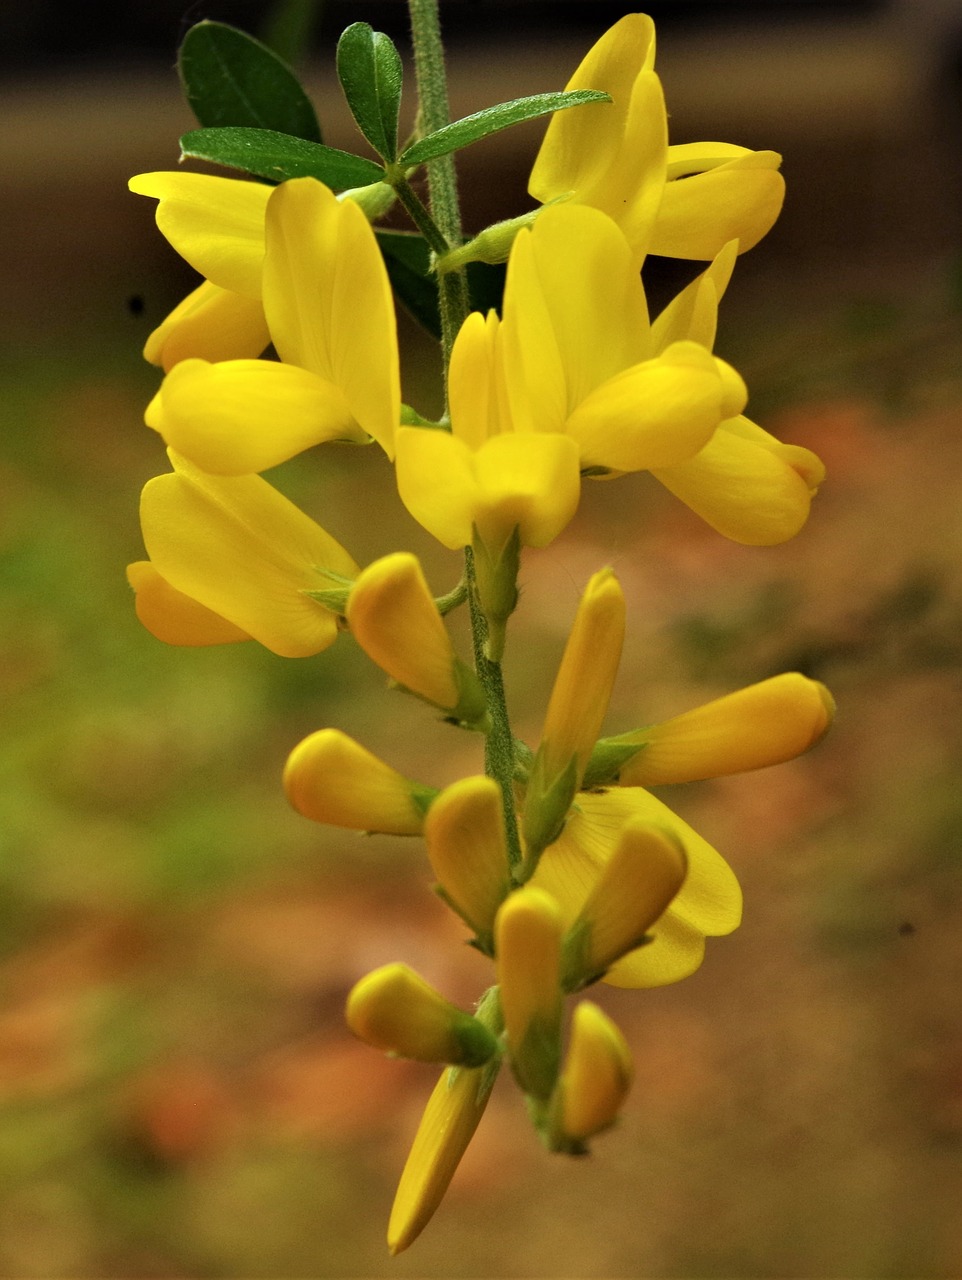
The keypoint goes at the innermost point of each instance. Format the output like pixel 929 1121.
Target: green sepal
pixel 496 575
pixel 576 974
pixel 461 133
pixel 370 72
pixel 536 1062
pixel 471 709
pixel 476 1043
pixel 546 806
pixel 278 156
pixel 333 598
pixel 490 246
pixel 609 757
pixel 423 797
pixel 231 79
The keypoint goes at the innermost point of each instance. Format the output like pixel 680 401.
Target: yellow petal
pixel 243 550
pixel 474 381
pixel 763 724
pixel 216 224
pixel 739 199
pixel 527 934
pixel 244 416
pixel 464 831
pixel 453 1112
pixel 173 617
pixel 331 778
pixel 654 415
pixel 693 314
pixel 329 303
pixel 748 485
pixel 212 324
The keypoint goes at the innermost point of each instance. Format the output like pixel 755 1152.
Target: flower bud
pixel 595 1081
pixel 332 779
pixel 394 1009
pixel 635 885
pixel 464 830
pixel 528 933
pixel 395 620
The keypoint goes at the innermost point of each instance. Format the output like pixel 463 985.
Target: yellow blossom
pixel 464 832
pixel 394 1009
pixel 242 550
pixel 338 376
pixel 763 724
pixel 395 620
pixel 333 779
pixel 596 1078
pixel 528 932
pixel 676 201
pixel 447 1126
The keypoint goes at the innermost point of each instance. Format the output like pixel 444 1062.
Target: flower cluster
pixel 563 866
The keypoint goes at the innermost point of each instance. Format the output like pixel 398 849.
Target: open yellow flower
pixel 244 552
pixel 330 315
pixel 676 201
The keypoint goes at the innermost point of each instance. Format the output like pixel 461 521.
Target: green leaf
pixel 369 69
pixel 278 156
pixel 408 262
pixel 232 80
pixel 492 120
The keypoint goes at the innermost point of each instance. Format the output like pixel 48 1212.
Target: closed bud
pixel 528 932
pixel 395 620
pixel 332 779
pixel 764 724
pixel 635 885
pixel 595 1081
pixel 464 830
pixel 394 1009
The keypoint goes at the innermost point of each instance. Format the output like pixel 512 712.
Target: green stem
pixel 454 305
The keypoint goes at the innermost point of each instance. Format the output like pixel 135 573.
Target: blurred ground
pixel 177 1095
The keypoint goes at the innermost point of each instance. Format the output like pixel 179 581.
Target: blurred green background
pixel 177 1095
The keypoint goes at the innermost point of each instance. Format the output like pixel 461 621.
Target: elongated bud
pixel 464 830
pixel 333 779
pixel 763 724
pixel 396 622
pixel 528 933
pixel 595 1081
pixel 636 884
pixel 447 1126
pixel 579 701
pixel 394 1009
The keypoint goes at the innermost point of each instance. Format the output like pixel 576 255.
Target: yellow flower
pixel 394 1009
pixel 676 201
pixel 579 701
pixel 243 551
pixel 464 832
pixel 495 480
pixel 333 779
pixel 173 617
pixel 527 939
pixel 595 1081
pixel 395 620
pixel 763 724
pixel 330 315
pixel 447 1126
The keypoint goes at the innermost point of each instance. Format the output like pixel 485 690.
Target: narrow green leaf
pixel 492 120
pixel 369 69
pixel 232 80
pixel 278 156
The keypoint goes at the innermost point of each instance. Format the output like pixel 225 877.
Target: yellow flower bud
pixel 528 933
pixel 633 889
pixel 332 779
pixel 394 1009
pixel 763 724
pixel 596 1078
pixel 395 620
pixel 447 1126
pixel 464 830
